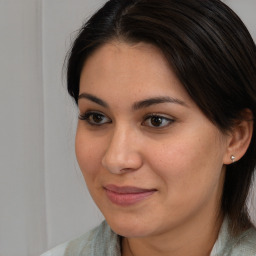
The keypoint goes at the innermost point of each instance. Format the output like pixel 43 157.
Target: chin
pixel 130 231
pixel 129 227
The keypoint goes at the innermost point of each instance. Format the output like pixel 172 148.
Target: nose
pixel 123 154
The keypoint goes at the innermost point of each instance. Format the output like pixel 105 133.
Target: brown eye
pixel 157 121
pixel 95 118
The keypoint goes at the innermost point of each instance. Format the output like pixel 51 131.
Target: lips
pixel 125 196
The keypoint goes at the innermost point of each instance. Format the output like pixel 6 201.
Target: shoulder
pixel 245 244
pixel 97 242
pixel 57 251
pixel 228 245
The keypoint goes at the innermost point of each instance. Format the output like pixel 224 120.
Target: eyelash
pixel 86 117
pixel 91 114
pixel 158 116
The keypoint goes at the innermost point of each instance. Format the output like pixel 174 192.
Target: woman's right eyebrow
pixel 93 99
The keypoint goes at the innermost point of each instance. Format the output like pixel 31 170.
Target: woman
pixel 166 92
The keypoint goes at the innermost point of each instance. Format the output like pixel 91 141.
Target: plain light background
pixel 43 198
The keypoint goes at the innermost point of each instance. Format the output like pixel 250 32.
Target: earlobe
pixel 239 138
pixel 233 158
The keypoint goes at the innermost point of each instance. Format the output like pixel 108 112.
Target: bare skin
pixel 139 128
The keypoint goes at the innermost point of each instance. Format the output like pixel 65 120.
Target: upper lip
pixel 127 189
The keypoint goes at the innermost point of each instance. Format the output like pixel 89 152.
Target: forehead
pixel 120 57
pixel 129 70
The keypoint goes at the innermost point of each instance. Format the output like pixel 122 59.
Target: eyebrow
pixel 93 99
pixel 156 100
pixel 137 105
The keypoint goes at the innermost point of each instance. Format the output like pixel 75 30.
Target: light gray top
pixel 103 241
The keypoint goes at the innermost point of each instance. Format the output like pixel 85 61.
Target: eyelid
pixel 169 119
pixel 88 114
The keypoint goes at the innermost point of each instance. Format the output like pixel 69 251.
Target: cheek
pixel 88 155
pixel 170 157
pixel 187 162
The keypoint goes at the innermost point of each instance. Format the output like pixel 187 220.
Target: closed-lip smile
pixel 127 195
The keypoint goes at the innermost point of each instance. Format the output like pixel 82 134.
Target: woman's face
pixel 151 160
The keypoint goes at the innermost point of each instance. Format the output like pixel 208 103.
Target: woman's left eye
pixel 157 121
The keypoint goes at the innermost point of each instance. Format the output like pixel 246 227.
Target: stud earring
pixel 233 158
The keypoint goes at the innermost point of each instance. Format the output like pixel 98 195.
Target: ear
pixel 239 137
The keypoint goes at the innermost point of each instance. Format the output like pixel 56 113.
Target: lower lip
pixel 129 198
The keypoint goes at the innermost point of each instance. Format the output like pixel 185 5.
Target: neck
pixel 193 239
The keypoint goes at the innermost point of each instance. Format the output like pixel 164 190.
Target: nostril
pixel 122 162
pixel 122 154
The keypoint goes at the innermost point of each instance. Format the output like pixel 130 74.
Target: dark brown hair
pixel 212 54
